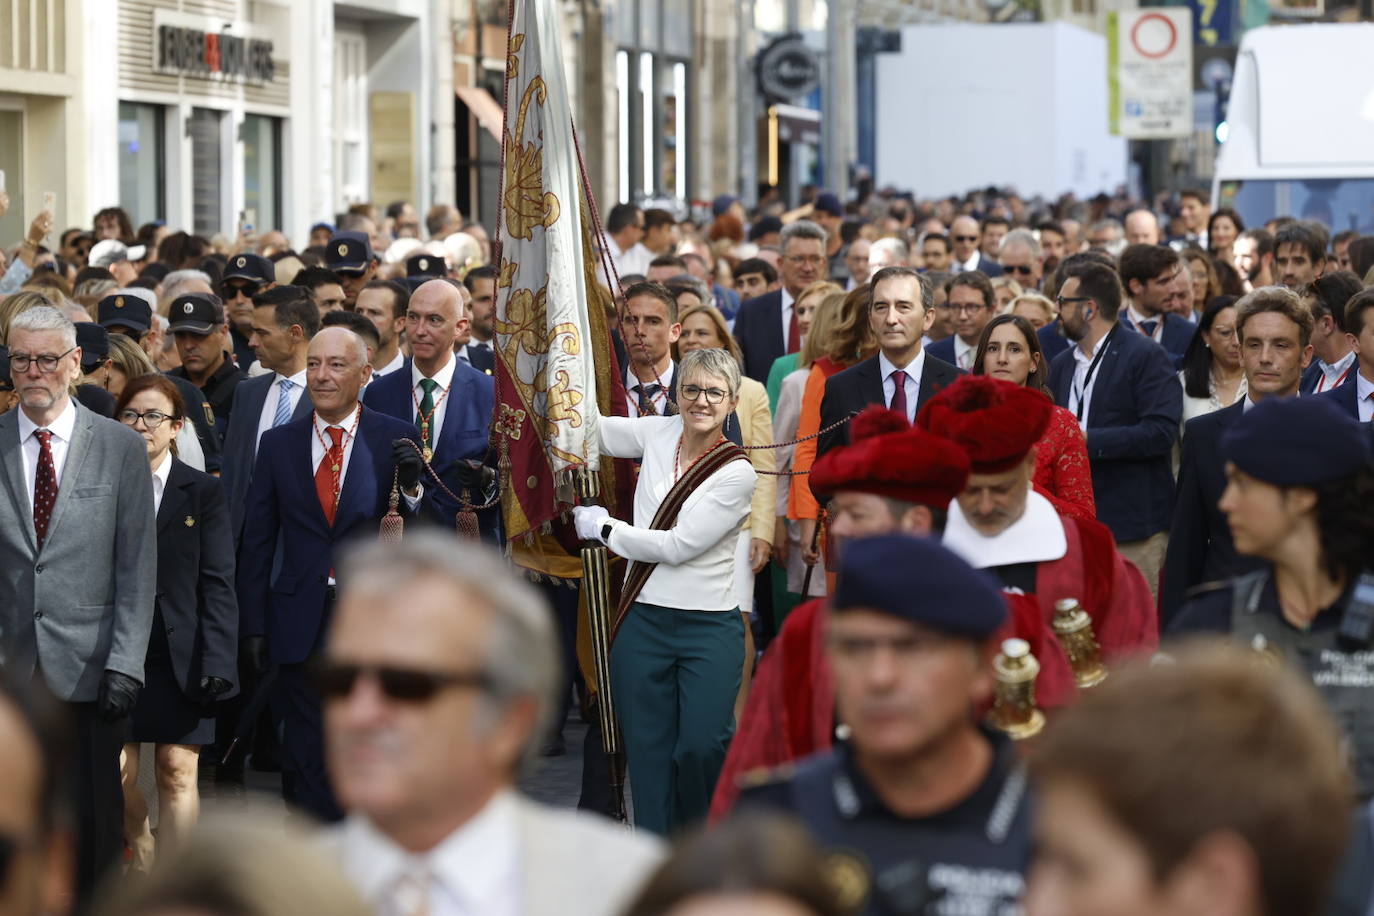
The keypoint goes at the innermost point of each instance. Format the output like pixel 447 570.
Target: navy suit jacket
pixel 989 267
pixel 241 442
pixel 1313 373
pixel 758 330
pixel 1052 343
pixel 1200 546
pixel 855 388
pixel 196 605
pixel 1346 395
pixel 286 601
pixel 1133 420
pixel 1177 334
pixel 943 350
pixel 462 437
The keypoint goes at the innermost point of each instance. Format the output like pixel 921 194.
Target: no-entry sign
pixel 1150 72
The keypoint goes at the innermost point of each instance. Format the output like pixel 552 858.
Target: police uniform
pixel 257 270
pixel 1273 443
pixel 136 316
pixel 350 254
pixel 968 859
pixel 203 314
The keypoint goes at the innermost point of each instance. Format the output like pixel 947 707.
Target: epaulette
pixel 1207 588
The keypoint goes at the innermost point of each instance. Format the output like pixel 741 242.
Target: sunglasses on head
pixel 336 680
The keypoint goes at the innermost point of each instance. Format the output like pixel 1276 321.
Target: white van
pixel 1300 139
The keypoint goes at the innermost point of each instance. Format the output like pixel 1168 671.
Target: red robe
pixel 790 712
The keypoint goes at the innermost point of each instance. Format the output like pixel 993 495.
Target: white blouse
pixel 696 557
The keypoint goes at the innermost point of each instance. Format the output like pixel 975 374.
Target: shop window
pixel 142 161
pixel 206 130
pixel 262 171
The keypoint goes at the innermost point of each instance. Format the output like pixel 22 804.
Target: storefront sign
pixel 196 51
pixel 788 69
pixel 1150 72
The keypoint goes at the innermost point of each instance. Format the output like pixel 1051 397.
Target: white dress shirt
pixel 912 387
pixel 696 557
pixel 964 353
pixel 1080 386
pixel 787 301
pixel 321 437
pixel 635 260
pixel 474 871
pixel 1332 372
pixel 660 400
pixel 269 406
pixel 390 367
pixel 1137 317
pixel 160 474
pixel 445 379
pixel 61 428
pixel 960 267
pixel 1364 391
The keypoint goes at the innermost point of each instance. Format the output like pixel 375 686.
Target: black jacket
pixel 758 330
pixel 195 579
pixel 855 388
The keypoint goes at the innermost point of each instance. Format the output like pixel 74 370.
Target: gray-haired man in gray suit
pixel 78 566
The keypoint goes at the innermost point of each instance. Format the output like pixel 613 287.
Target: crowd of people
pixel 920 488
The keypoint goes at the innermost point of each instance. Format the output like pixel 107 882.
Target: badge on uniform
pixel 209 413
pixel 190 521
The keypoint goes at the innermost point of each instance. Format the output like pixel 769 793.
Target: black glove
pixel 409 465
pixel 474 476
pixel 211 687
pixel 254 649
pixel 118 693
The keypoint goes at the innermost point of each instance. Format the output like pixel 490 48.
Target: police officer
pixel 924 810
pixel 201 332
pixel 349 254
pixel 245 276
pixel 1298 496
pixel 132 316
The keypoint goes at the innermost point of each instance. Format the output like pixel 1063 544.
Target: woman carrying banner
pixel 677 653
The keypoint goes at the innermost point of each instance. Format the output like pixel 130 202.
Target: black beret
pixel 1296 442
pixel 918 580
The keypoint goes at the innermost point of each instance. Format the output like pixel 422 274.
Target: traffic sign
pixel 1150 72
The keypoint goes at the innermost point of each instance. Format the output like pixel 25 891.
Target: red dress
pixel 1062 474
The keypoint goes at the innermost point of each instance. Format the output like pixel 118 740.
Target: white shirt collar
pixel 960 348
pixel 912 369
pixel 62 428
pixel 396 363
pixel 1339 366
pixel 1363 387
pixel 444 376
pixel 787 299
pixel 472 862
pixel 165 469
pixel 970 264
pixel 298 379
pixel 666 379
pixel 1036 537
pixel 347 423
pixel 1138 316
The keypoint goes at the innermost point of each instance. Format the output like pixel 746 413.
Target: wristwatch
pixel 606 528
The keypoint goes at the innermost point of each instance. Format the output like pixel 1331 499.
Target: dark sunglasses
pixel 1024 270
pixel 335 681
pixel 230 290
pixel 965 238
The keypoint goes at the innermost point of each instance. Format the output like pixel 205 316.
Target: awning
pixel 484 107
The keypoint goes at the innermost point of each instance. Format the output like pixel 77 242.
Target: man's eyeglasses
pixel 152 419
pixel 1060 300
pixel 693 393
pixel 814 260
pixel 336 680
pixel 1024 270
pixel 230 290
pixel 968 308
pixel 20 362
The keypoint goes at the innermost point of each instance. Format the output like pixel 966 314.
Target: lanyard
pixel 1321 380
pixel 1082 392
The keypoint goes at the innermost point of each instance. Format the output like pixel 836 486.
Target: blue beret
pixel 918 580
pixel 1296 442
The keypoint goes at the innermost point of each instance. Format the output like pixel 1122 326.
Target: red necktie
pixel 899 392
pixel 44 487
pixel 328 473
pixel 793 332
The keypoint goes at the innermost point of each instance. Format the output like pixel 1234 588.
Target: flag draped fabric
pixel 549 330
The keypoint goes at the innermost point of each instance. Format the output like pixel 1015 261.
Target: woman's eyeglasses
pixel 152 419
pixel 693 393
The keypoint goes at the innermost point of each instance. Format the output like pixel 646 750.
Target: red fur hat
pixel 888 457
pixel 996 422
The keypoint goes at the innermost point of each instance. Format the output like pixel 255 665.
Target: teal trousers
pixel 675 675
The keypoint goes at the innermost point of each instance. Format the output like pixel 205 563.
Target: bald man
pixel 1142 228
pixel 351 455
pixel 448 401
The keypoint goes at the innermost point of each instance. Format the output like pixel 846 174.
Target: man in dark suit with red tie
pixel 766 327
pixel 901 376
pixel 319 484
pixel 1356 395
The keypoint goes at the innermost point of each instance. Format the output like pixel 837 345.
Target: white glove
pixel 588 519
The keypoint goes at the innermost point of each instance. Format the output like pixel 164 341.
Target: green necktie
pixel 426 412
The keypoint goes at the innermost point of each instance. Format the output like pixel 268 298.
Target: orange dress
pixel 800 503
